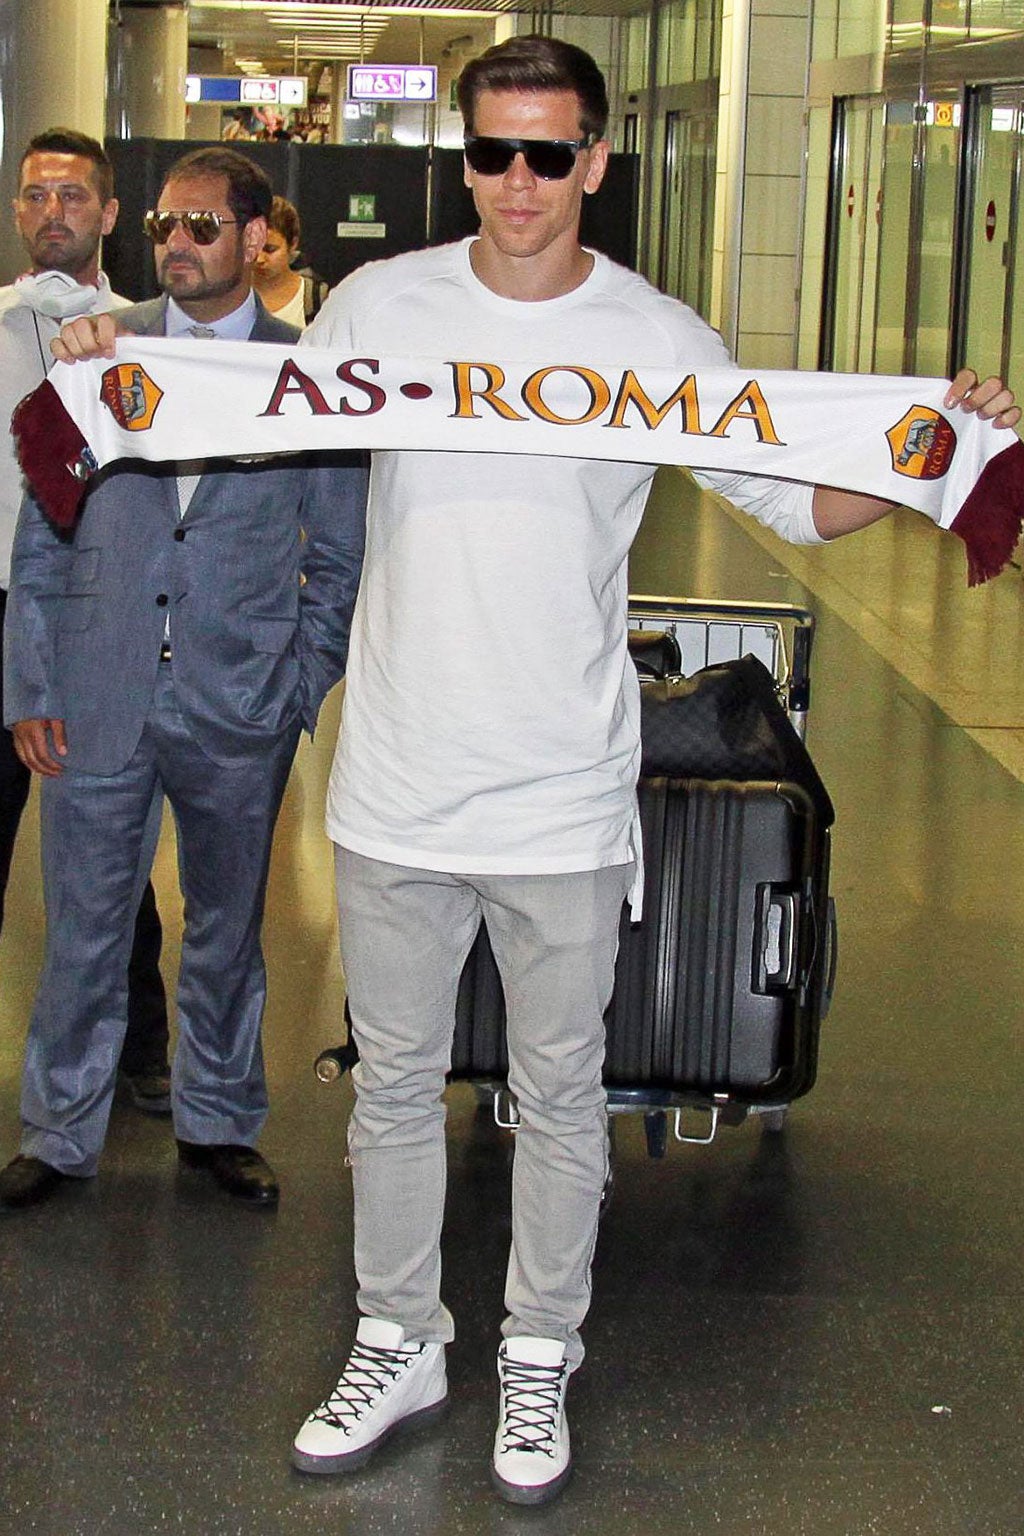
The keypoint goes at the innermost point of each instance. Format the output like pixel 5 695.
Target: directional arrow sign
pixel 421 84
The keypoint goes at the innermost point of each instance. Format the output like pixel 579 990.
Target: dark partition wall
pixel 329 175
pixel 321 179
pixel 610 217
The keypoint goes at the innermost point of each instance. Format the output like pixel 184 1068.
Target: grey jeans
pixel 405 934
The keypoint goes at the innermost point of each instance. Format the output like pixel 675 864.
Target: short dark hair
pixel 249 195
pixel 284 218
pixel 68 141
pixel 534 63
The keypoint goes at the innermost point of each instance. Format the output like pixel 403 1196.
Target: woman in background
pixel 293 296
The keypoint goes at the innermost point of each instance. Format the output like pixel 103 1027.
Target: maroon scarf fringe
pixel 55 458
pixel 989 522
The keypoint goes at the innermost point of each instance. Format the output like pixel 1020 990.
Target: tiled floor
pixel 816 1333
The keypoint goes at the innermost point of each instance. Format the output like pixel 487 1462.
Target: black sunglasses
pixel 203 226
pixel 550 159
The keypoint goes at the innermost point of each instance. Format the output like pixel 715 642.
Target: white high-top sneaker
pixel 531 1448
pixel 386 1386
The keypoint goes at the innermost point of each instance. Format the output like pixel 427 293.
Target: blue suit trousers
pixel 99 835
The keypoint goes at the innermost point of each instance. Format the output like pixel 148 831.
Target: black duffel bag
pixel 724 722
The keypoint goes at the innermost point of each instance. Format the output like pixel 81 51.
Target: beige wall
pixel 53 69
pixel 759 194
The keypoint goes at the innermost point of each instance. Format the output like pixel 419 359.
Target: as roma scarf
pixel 171 400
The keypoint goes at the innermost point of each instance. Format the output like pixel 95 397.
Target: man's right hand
pixel 32 741
pixel 87 336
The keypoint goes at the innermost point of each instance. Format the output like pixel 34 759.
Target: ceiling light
pixel 308 12
pixel 347 24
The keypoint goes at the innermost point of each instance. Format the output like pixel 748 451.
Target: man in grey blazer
pixel 174 646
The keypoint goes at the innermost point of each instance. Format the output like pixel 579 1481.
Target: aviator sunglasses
pixel 202 226
pixel 550 159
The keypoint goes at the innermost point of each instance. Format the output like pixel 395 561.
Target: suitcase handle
pixel 775 939
pixel 832 951
pixel 655 652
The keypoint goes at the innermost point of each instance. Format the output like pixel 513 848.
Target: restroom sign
pixel 392 82
pixel 229 90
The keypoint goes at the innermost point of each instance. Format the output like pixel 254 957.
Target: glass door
pixel 687 208
pixel 940 179
pixel 916 237
pixel 898 269
pixel 854 212
pixel 990 310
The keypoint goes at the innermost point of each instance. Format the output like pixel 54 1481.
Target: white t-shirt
pixel 294 312
pixel 24 363
pixel 491 714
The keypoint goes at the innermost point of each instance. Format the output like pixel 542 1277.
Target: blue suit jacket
pixel 258 579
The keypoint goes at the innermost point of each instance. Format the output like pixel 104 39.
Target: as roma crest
pixel 921 444
pixel 131 396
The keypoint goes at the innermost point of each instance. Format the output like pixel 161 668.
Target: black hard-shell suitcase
pixel 719 991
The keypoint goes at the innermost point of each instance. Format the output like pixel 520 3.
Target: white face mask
pixel 55 294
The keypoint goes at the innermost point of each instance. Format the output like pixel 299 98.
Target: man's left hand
pixel 989 397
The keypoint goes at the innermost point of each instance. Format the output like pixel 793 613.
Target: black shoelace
pixel 368 1374
pixel 533 1395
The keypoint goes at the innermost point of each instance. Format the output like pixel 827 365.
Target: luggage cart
pixel 780 635
pixel 697 633
pixel 708 631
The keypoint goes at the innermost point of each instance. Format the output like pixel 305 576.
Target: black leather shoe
pixel 27 1181
pixel 241 1171
pixel 149 1091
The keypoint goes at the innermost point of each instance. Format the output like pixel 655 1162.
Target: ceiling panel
pixel 275 35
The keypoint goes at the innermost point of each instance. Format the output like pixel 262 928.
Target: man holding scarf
pixel 487 762
pixel 65 205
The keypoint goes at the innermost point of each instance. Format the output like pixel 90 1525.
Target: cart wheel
pixel 335 1062
pixel 327 1066
pixel 656 1131
pixel 775 1119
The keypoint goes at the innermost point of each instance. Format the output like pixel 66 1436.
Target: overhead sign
pixel 392 82
pixel 247 90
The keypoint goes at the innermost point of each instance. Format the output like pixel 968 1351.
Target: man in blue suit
pixel 175 646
